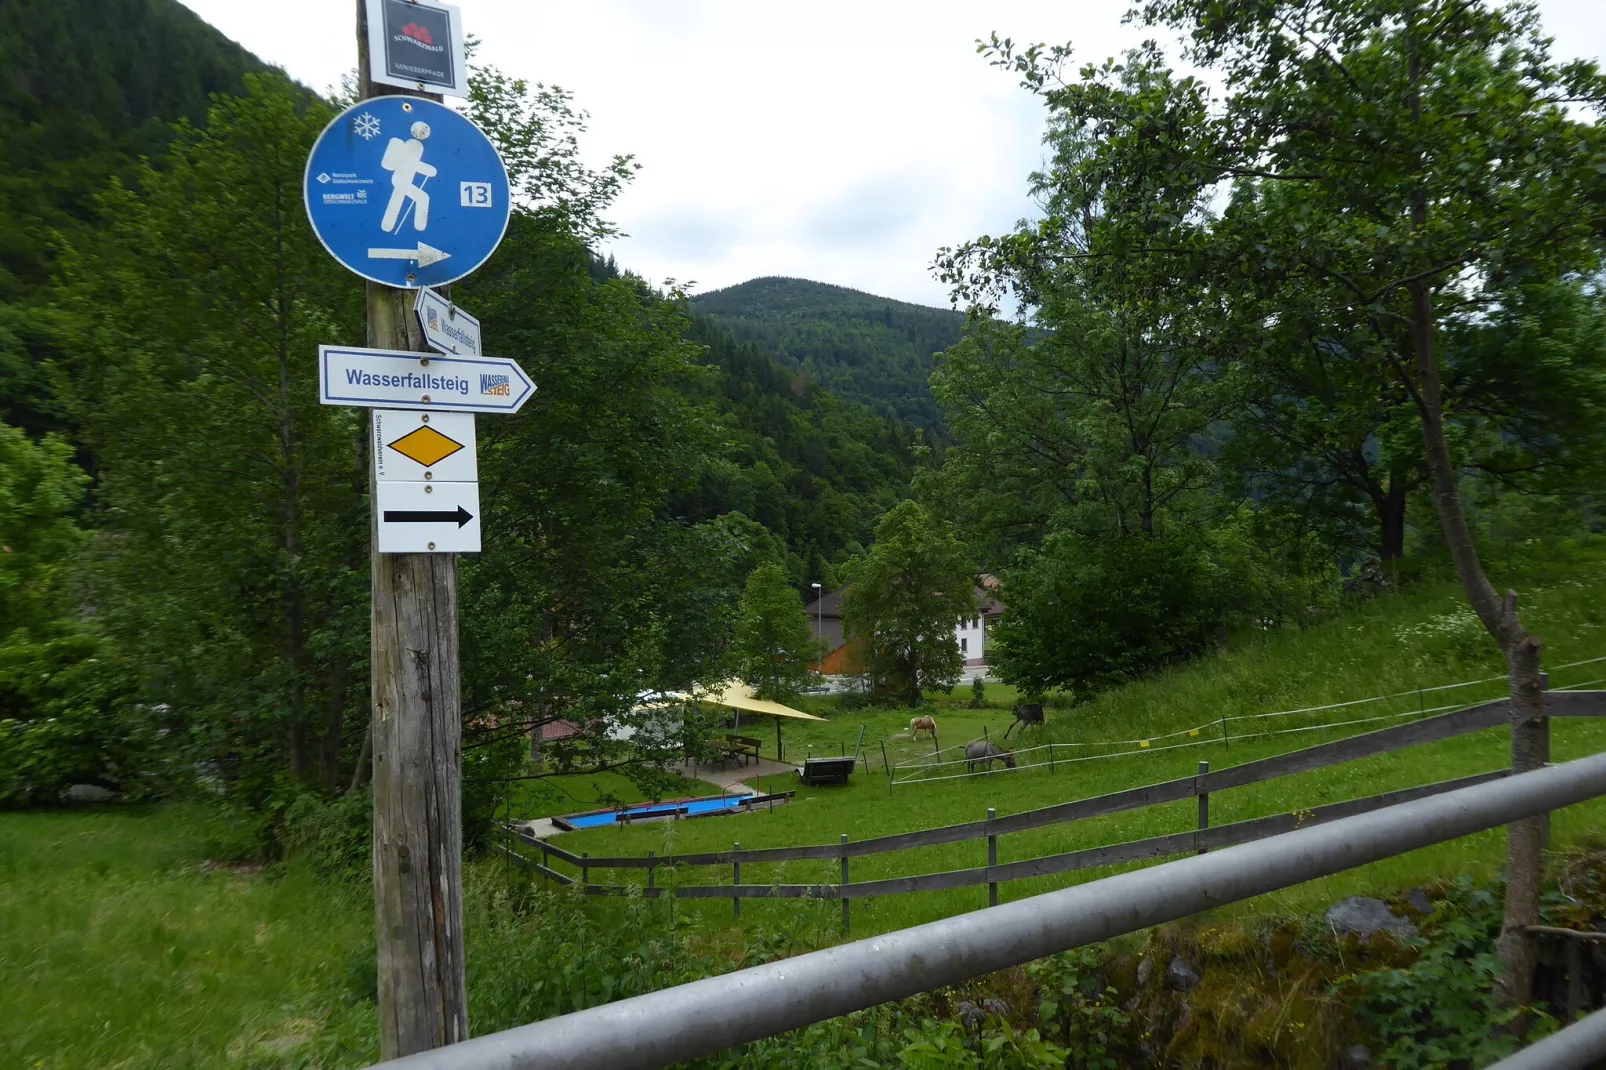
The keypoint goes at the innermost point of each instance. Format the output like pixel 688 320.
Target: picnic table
pixel 741 747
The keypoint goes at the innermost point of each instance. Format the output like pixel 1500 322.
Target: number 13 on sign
pixel 475 194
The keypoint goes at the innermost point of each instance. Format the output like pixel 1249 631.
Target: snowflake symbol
pixel 367 126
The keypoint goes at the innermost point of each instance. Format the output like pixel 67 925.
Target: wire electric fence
pixel 937 767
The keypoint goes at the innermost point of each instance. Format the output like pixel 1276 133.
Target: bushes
pixel 69 715
pixel 1087 614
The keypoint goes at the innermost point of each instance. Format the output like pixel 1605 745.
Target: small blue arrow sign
pixel 406 192
pixel 397 379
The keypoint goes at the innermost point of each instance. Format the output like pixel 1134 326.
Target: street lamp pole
pixel 819 623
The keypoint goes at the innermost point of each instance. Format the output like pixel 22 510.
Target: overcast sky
pixel 843 142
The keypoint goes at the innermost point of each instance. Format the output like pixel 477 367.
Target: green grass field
pixel 1388 647
pixel 122 947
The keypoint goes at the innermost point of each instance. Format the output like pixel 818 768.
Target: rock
pixel 1145 971
pixel 996 1007
pixel 1418 900
pixel 1366 917
pixel 1356 1057
pixel 1181 975
pixel 89 793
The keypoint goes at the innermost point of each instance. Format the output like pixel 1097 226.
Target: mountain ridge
pixel 861 346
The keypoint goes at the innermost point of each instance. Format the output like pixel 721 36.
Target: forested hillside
pixel 164 457
pixel 86 88
pixel 866 348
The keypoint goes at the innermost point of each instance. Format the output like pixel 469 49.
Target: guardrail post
pixel 736 878
pixel 992 857
pixel 1204 802
pixel 845 900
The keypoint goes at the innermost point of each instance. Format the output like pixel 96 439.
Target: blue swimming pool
pixel 684 807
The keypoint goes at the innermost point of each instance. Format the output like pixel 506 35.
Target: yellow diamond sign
pixel 426 445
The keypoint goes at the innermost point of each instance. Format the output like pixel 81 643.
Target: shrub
pixel 1088 614
pixel 69 714
pixel 1440 1012
pixel 335 838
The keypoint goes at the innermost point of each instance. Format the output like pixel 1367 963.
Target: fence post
pixel 1204 802
pixel 1051 758
pixel 884 763
pixel 651 871
pixel 545 861
pixel 736 878
pixel 585 870
pixel 1224 738
pixel 845 899
pixel 992 857
pixel 1544 759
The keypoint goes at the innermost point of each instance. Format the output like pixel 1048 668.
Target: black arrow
pixel 428 516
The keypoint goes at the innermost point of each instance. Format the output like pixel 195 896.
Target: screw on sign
pixel 406 192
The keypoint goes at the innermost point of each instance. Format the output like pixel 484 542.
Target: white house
pixel 825 614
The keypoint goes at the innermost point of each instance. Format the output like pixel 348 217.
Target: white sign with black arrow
pixel 428 518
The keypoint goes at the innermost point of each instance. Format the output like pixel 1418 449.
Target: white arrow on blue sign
pixel 396 379
pixel 406 192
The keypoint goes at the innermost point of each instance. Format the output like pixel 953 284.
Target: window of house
pixel 964 646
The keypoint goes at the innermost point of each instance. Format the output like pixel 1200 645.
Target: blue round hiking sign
pixel 406 192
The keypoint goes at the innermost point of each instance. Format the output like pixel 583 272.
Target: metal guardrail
pixel 1574 1048
pixel 711 1015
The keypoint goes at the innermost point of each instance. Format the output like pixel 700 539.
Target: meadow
pixel 124 943
pixel 1388 647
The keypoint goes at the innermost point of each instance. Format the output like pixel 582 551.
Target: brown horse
pixel 918 725
pixel 984 752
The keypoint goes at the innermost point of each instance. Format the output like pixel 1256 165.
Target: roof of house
pixel 558 729
pixel 987 586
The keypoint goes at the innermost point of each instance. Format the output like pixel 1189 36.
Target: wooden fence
pixel 1202 838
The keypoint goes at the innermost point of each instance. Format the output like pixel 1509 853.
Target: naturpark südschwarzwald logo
pixel 420 36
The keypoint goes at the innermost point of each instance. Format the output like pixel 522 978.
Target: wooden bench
pixel 827 770
pixel 744 746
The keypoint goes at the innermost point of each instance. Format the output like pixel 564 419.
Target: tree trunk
pixel 1390 506
pixel 334 723
pixel 364 759
pixel 1518 953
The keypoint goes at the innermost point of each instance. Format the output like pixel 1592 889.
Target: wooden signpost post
pixel 409 194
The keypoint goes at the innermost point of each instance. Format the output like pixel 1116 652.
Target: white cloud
pixel 838 141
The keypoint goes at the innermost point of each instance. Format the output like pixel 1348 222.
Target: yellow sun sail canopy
pixel 738 696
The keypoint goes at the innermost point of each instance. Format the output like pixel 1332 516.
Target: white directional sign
pixel 396 379
pixel 413 446
pixel 447 328
pixel 424 518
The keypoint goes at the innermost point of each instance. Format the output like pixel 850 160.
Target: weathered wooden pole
pixel 417 760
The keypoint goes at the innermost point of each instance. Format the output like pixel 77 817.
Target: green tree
pixel 235 501
pixel 775 647
pixel 1402 164
pixel 41 491
pixel 904 598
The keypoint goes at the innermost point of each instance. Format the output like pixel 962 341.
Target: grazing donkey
pixel 918 725
pixel 1031 713
pixel 982 752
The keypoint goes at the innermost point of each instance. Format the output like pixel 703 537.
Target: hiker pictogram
pixel 405 162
